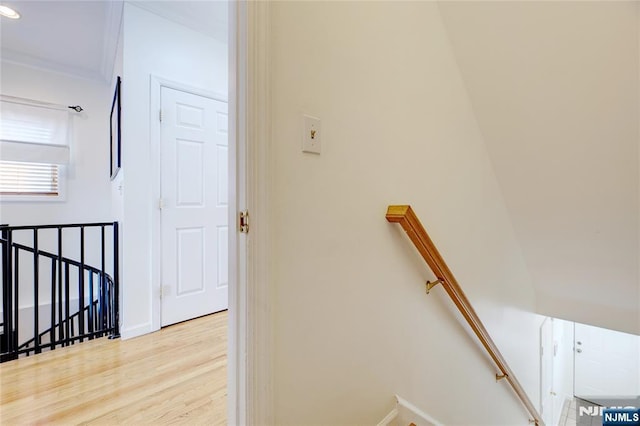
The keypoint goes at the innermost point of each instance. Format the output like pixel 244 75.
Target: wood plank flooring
pixel 175 376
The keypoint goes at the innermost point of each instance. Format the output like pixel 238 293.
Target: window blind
pixel 31 123
pixel 29 179
pixel 33 134
pixel 33 146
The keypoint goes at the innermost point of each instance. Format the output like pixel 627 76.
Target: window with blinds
pixel 33 151
pixel 29 179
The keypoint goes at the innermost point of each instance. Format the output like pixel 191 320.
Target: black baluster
pixel 36 301
pixel 73 330
pixel 101 303
pixel 60 322
pixel 109 304
pixel 52 338
pixel 6 313
pixel 16 311
pixel 7 299
pixel 81 285
pixel 104 303
pixel 66 304
pixel 90 311
pixel 5 305
pixel 94 307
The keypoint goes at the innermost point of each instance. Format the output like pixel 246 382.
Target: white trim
pixel 236 368
pixel 250 333
pixel 157 83
pixel 112 34
pixel 421 415
pixel 138 330
pixel 389 418
pixel 15 57
pixel 540 359
pixel 406 413
pixel 260 323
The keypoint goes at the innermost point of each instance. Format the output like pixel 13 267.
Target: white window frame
pixel 61 197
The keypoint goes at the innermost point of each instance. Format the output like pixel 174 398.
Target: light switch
pixel 312 136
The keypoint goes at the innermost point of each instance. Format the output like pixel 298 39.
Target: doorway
pixel 194 205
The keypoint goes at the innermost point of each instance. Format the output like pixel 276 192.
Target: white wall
pixel 87 177
pixel 152 46
pixel 554 86
pixel 352 323
pixel 88 172
pixel 117 207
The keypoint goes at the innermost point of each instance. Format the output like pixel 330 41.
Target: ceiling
pixel 555 90
pixel 80 38
pixel 74 37
pixel 206 16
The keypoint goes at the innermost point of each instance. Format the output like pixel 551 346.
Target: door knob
pixel 579 350
pixel 579 342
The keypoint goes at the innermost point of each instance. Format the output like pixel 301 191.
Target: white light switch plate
pixel 311 137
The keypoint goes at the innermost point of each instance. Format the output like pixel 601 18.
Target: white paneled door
pixel 607 362
pixel 193 187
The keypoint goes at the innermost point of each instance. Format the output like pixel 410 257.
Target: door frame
pixel 249 353
pixel 547 322
pixel 250 365
pixel 155 131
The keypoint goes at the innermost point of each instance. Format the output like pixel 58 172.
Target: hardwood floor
pixel 175 376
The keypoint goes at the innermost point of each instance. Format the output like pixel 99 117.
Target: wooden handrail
pixel 406 217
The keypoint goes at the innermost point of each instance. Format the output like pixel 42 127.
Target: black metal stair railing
pixel 78 311
pixel 100 319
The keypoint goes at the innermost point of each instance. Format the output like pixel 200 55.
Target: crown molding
pixel 112 36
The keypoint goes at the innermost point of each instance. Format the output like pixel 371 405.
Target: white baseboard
pixel 406 413
pixel 390 419
pixel 135 331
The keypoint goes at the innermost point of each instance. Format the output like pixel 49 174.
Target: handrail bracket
pixel 431 285
pixel 500 376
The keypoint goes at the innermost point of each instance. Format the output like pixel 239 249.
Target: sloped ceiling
pixel 555 89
